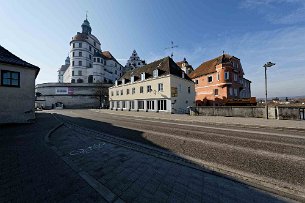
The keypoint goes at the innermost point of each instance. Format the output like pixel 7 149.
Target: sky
pixel 255 31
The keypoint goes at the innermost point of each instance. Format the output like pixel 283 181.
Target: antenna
pixel 172 48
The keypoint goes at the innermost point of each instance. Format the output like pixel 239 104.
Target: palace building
pixel 87 63
pixel 160 86
pixel 220 81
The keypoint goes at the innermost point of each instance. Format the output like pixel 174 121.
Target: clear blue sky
pixel 256 31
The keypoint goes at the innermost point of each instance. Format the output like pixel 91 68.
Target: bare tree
pixel 101 94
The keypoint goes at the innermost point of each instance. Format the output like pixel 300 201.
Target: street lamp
pixel 267 65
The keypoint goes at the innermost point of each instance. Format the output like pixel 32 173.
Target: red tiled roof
pixel 210 66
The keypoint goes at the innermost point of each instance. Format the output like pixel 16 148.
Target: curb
pixel 207 122
pixel 105 193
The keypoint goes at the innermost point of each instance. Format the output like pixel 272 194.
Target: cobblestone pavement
pixel 273 123
pixel 31 172
pixel 134 176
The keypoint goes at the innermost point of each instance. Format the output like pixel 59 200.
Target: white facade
pixel 134 61
pixel 88 64
pixel 160 86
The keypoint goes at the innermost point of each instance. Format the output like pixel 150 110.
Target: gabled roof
pixel 9 58
pixel 165 66
pixel 210 66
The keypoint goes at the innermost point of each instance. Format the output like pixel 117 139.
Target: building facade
pixel 185 66
pixel 160 86
pixel 17 88
pixel 134 62
pixel 88 63
pixel 71 96
pixel 219 80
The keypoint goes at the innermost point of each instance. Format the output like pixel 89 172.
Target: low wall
pixel 281 113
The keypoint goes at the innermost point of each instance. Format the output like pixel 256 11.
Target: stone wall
pixel 281 113
pixel 78 95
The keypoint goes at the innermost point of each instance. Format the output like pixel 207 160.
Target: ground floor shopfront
pixel 156 105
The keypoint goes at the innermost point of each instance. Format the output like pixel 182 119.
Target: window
pixel 117 93
pixel 111 93
pixel 73 53
pixel 98 60
pixel 210 78
pixel 73 81
pixel 141 89
pixel 150 105
pixel 115 72
pixel 90 65
pixel 227 75
pixel 72 63
pixel 94 59
pixel 235 92
pixel 118 104
pixel 140 104
pixel 160 87
pixel 73 45
pixel 10 78
pixel 196 81
pixel 218 76
pixel 231 91
pixel 90 57
pixel 155 73
pixel 73 73
pixel 94 43
pixel 90 48
pixel 235 77
pixel 127 91
pixel 189 90
pixel 162 105
pixel 80 63
pixel 79 80
pixel 139 63
pixel 80 53
pixel 132 105
pixel 216 92
pixel 80 45
pixel 149 88
pixel 142 76
pixel 124 104
pixel 133 90
pixel 79 72
pixel 115 65
pixel 121 92
pixel 132 79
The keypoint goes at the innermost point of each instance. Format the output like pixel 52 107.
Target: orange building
pixel 220 81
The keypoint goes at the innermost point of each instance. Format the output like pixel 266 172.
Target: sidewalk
pixel 31 172
pixel 260 122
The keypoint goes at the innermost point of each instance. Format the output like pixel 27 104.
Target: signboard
pixel 61 90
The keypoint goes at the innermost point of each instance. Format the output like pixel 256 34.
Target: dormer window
pixel 142 76
pixel 132 79
pixel 155 73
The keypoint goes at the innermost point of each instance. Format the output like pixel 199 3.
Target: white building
pixel 160 86
pixel 134 61
pixel 88 64
pixel 17 88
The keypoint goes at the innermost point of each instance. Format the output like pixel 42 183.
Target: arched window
pixel 73 81
pixel 90 79
pixel 79 80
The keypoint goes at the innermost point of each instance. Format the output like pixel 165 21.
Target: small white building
pixel 17 88
pixel 88 63
pixel 160 86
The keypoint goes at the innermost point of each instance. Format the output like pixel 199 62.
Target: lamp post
pixel 267 65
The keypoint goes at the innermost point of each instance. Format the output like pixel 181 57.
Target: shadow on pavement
pixel 141 177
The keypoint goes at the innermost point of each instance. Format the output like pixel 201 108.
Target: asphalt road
pixel 276 156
